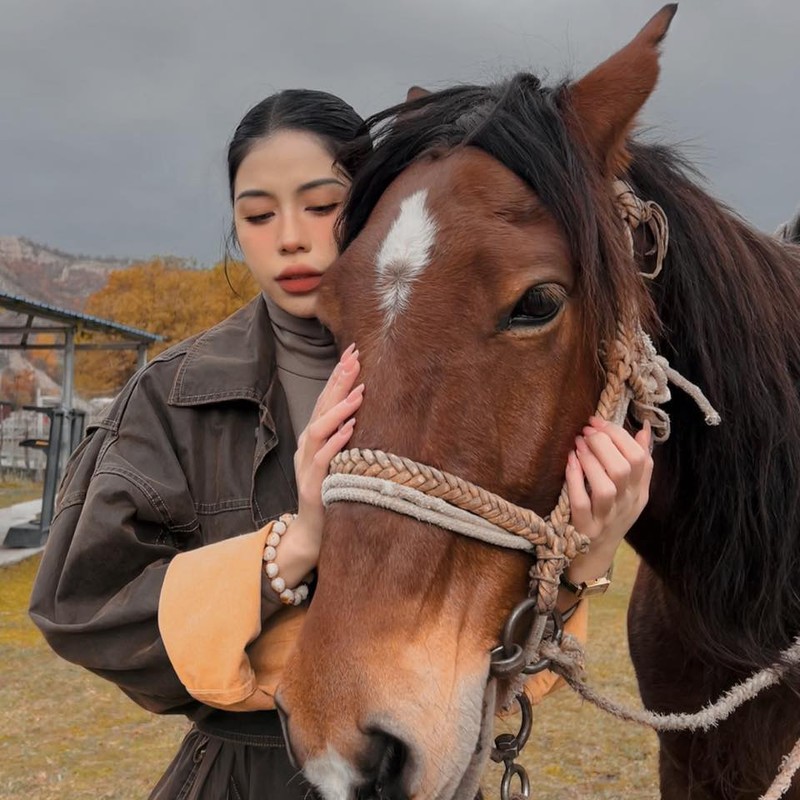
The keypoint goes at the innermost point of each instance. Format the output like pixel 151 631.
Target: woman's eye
pixel 257 219
pixel 322 210
pixel 536 307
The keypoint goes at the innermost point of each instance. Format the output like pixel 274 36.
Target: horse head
pixel 485 265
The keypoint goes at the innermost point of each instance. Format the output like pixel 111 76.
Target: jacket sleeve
pixel 218 642
pixel 124 512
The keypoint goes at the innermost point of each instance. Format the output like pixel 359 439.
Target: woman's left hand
pixel 608 481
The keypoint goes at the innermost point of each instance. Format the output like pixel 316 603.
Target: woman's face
pixel 287 196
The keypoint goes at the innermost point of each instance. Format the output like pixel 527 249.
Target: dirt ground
pixel 68 735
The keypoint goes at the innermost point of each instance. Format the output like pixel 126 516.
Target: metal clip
pixel 508 746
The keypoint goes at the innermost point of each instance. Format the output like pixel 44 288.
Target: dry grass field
pixel 66 734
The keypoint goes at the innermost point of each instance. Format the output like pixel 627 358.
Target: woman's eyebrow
pixel 319 182
pixel 304 188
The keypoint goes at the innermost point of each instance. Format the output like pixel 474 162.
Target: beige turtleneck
pixel 306 355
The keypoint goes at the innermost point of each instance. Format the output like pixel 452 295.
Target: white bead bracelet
pixel 289 597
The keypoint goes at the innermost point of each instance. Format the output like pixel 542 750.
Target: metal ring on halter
pixel 555 636
pixel 502 666
pixel 508 658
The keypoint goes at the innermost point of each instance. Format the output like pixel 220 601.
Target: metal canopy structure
pixel 69 323
pixel 66 423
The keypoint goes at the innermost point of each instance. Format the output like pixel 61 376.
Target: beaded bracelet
pixel 289 597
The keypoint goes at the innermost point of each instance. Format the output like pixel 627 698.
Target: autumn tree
pixel 162 298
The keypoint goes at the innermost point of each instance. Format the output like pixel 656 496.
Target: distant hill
pixel 51 276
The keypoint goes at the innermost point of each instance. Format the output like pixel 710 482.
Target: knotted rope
pixel 635 212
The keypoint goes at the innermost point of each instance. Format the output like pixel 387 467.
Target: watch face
pixel 595 587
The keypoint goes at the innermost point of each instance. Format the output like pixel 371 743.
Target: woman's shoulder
pixel 232 360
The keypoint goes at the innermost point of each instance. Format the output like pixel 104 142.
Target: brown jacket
pixel 197 449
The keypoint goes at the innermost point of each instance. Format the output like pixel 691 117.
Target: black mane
pixel 728 300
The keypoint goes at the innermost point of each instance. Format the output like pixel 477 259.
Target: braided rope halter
pixel 637 381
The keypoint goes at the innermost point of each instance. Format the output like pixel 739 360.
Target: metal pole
pixel 141 356
pixel 67 391
pixel 69 368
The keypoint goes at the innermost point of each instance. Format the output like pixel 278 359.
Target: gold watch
pixel 588 588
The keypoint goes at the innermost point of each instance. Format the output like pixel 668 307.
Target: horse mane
pixel 728 301
pixel 723 528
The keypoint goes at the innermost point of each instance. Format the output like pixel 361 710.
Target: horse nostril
pixel 387 759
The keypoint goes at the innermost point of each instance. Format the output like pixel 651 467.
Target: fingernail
pixel 589 431
pixel 598 422
pixel 580 443
pixel 356 392
pixel 572 460
pixel 348 351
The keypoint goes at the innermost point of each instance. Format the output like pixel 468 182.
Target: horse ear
pixel 415 93
pixel 606 100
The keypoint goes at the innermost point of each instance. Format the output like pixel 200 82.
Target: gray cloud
pixel 116 114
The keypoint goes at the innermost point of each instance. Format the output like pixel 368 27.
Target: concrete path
pixel 14 515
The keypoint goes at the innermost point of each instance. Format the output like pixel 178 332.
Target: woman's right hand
pixel 328 431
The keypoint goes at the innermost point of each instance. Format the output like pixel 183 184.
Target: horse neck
pixel 723 526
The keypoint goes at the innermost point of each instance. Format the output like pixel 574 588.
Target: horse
pixel 485 269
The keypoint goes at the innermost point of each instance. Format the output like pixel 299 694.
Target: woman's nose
pixel 293 235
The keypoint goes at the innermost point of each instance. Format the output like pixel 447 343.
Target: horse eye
pixel 536 307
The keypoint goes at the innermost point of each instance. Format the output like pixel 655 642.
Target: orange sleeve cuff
pixel 210 620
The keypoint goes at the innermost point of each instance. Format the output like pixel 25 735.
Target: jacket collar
pixel 234 360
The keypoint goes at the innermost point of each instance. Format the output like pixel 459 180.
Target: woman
pixel 171 500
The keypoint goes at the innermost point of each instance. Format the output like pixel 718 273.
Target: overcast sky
pixel 115 114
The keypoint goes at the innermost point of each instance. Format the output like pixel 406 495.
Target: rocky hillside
pixel 48 275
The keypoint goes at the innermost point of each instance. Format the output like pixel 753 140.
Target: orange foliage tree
pixel 161 298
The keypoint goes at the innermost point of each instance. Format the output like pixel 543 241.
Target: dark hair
pixel 335 122
pixel 328 117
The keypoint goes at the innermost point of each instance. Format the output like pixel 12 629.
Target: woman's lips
pixel 299 280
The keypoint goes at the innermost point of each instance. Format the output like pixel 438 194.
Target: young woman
pixel 174 494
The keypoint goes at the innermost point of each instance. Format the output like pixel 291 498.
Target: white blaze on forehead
pixel 332 775
pixel 404 254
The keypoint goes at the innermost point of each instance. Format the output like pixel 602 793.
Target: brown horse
pixel 485 267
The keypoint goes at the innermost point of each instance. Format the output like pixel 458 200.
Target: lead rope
pixel 566 660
